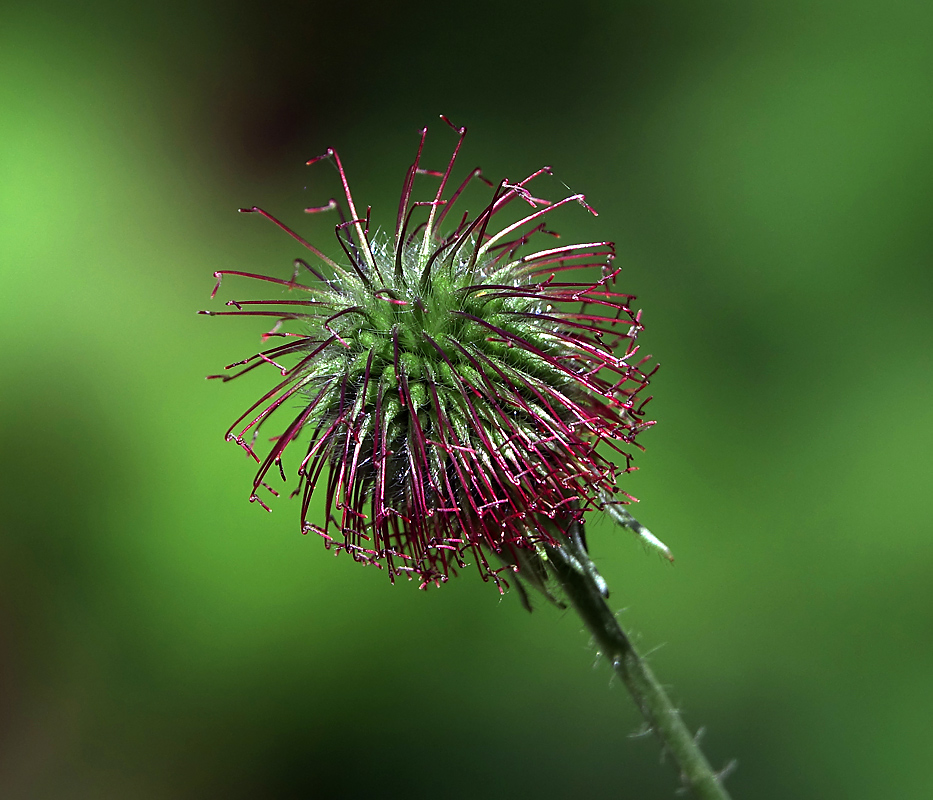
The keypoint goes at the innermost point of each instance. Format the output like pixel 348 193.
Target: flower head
pixel 453 382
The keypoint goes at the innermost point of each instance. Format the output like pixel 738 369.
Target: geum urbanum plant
pixel 455 383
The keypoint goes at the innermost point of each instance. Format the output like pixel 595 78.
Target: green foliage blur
pixel 766 170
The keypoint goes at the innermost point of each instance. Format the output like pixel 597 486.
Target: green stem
pixel 585 589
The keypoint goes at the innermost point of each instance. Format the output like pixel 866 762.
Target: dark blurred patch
pixel 259 124
pixel 61 467
pixel 279 79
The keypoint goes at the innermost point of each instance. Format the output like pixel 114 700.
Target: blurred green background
pixel 767 173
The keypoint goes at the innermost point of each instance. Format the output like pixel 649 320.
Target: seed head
pixel 453 382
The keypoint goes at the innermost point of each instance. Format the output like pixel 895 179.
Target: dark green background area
pixel 767 173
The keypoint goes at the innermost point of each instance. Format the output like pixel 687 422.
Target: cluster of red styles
pixel 452 384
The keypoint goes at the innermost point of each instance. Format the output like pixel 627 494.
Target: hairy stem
pixel 586 590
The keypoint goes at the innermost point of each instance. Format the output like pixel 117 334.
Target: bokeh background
pixel 767 173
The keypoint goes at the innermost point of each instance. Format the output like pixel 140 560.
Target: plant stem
pixel 586 590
